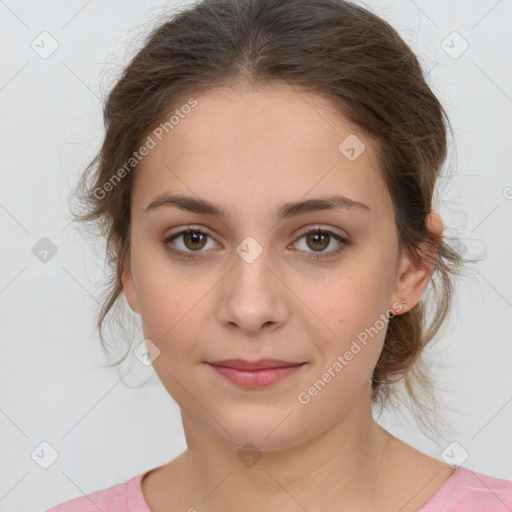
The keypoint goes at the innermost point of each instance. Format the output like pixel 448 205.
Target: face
pixel 257 279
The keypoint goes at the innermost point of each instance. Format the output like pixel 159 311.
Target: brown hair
pixel 330 47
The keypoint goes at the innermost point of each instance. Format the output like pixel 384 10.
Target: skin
pixel 249 151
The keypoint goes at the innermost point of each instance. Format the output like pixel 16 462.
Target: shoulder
pixel 469 491
pixel 117 498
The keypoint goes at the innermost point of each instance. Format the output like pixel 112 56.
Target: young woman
pixel 265 185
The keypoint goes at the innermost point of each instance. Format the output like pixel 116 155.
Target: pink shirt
pixel 464 491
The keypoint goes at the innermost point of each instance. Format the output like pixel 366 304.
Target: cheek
pixel 157 282
pixel 172 304
pixel 161 293
pixel 356 297
pixel 355 307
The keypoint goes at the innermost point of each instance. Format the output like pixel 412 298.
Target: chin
pixel 269 434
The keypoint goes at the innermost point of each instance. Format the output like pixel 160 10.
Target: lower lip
pixel 257 378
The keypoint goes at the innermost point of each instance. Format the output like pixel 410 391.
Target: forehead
pixel 266 144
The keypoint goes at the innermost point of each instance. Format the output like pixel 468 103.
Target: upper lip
pixel 243 364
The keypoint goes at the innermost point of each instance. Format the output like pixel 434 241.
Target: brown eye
pixel 187 242
pixel 318 241
pixel 194 240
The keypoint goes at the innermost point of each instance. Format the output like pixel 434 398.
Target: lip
pixel 260 364
pixel 261 377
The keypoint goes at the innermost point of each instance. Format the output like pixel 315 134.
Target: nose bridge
pixel 251 296
pixel 251 274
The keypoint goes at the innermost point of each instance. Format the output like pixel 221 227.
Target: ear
pixel 413 277
pixel 127 279
pixel 129 287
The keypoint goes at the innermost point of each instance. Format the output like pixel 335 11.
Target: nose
pixel 253 296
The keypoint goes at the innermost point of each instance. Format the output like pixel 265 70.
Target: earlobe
pixel 413 276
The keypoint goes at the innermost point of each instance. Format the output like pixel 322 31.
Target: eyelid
pixel 303 231
pixel 189 227
pixel 320 227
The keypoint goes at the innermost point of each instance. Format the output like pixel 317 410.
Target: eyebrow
pixel 285 210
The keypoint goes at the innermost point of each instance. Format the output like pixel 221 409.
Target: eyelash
pixel 316 256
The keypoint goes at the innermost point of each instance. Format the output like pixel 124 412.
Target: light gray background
pixel 55 385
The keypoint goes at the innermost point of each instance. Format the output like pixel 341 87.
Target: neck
pixel 338 469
